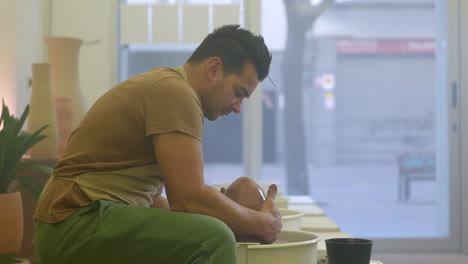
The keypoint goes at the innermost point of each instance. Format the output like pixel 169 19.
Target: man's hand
pixel 159 190
pixel 271 218
pixel 160 201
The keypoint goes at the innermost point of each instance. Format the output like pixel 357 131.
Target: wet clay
pixel 245 192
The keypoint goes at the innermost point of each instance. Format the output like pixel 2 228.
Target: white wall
pixel 21 30
pixel 95 23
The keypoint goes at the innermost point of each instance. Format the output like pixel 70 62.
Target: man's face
pixel 228 92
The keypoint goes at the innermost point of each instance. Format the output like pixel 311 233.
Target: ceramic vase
pixel 42 112
pixel 63 56
pixel 11 226
pixel 65 118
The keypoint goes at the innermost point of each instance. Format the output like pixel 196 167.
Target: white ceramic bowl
pixel 281 202
pixel 291 219
pixel 293 246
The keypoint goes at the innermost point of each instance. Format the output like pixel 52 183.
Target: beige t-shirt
pixel 110 155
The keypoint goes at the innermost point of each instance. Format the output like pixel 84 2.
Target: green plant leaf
pixel 31 184
pixel 14 143
pixel 27 140
pixel 25 165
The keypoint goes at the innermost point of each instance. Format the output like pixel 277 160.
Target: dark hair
pixel 235 46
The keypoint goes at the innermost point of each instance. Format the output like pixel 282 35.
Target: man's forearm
pixel 209 201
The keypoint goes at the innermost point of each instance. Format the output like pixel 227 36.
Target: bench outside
pixel 413 167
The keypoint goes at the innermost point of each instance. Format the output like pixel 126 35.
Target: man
pixel 144 134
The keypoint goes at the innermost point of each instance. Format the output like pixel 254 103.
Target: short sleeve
pixel 171 105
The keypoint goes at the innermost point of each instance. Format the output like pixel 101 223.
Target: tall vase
pixel 65 117
pixel 42 112
pixel 63 55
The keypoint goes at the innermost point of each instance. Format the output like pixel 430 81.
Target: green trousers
pixel 113 233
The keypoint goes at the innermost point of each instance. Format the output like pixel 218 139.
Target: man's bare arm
pixel 180 159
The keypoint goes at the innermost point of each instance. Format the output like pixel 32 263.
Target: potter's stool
pixel 21 261
pixel 317 224
pixel 307 209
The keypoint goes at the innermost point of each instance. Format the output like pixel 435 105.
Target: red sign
pixel 373 46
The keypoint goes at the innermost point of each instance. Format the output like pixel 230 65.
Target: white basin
pixel 291 219
pixel 281 202
pixel 293 246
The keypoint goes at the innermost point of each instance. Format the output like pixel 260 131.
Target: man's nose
pixel 237 106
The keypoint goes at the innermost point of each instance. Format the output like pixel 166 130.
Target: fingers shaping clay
pixel 248 193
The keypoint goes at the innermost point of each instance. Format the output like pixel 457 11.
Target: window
pixel 355 115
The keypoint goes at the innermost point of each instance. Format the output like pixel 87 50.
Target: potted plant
pixel 14 143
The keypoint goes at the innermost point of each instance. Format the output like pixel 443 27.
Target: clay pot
pixel 11 225
pixel 245 192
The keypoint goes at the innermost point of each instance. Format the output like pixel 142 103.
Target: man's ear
pixel 214 67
